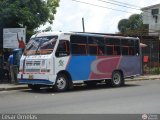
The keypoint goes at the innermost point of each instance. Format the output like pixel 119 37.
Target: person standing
pixel 11 68
pixel 21 42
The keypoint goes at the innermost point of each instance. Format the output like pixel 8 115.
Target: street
pixel 135 97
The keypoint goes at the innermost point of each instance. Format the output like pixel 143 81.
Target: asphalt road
pixel 136 97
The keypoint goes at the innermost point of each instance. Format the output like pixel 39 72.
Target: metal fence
pixel 151 57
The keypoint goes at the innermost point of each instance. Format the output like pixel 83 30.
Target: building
pixel 151 16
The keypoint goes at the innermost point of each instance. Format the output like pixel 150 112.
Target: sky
pixel 96 19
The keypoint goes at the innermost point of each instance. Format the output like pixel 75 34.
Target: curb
pixel 13 88
pixel 141 79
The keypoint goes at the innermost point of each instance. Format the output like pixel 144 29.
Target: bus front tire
pixel 117 79
pixel 62 83
pixel 34 87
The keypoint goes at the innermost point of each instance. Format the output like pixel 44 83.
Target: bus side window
pixel 96 46
pixel 78 45
pixel 137 51
pixel 127 46
pixel 63 48
pixel 113 46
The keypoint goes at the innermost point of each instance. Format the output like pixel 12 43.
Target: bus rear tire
pixel 34 87
pixel 117 79
pixel 62 83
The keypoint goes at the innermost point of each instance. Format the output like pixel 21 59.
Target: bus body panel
pixel 102 67
pixel 130 65
pixel 80 67
pixel 32 67
pixel 61 63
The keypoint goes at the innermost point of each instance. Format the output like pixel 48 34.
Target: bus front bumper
pixel 36 79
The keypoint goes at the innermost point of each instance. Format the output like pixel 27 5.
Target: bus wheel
pixel 117 79
pixel 34 87
pixel 61 83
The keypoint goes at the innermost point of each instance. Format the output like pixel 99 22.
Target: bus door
pixel 62 55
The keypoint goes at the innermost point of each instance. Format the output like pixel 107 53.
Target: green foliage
pixel 155 70
pixel 29 13
pixel 122 25
pixel 152 70
pixel 48 29
pixel 133 25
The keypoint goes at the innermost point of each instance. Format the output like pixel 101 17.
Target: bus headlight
pixel 43 64
pixel 21 65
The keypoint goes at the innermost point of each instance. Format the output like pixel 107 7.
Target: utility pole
pixel 83 25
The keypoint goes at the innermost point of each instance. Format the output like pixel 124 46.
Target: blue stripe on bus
pixel 79 67
pixel 35 81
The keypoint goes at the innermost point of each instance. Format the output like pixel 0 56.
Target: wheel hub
pixel 116 79
pixel 61 83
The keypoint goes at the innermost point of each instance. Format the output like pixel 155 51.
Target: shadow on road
pixel 78 88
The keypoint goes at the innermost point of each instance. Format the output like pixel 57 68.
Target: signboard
pixel 12 36
pixel 145 59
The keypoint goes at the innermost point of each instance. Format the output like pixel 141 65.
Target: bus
pixel 60 60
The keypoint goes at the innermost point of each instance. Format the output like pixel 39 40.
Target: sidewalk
pixel 145 77
pixel 6 87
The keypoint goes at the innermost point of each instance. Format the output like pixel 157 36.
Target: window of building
pixel 155 11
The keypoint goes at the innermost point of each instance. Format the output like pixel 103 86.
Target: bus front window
pixel 40 45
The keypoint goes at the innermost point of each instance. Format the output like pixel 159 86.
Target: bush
pixel 155 70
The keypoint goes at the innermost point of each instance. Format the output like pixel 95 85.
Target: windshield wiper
pixel 38 48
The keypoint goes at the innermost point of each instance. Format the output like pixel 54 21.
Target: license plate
pixel 30 76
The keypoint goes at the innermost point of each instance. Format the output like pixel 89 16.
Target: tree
pixel 48 29
pixel 123 25
pixel 133 26
pixel 29 13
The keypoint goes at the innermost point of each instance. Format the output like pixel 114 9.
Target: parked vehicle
pixel 63 59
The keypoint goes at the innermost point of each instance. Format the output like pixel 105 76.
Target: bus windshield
pixel 40 45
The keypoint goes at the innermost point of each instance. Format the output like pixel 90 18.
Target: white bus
pixel 62 59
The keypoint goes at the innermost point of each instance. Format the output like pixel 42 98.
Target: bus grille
pixel 32 66
pixel 33 63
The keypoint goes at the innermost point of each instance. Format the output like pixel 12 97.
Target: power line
pixel 101 6
pixel 109 8
pixel 132 6
pixel 119 5
pixel 125 3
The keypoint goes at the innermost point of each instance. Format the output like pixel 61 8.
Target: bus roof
pixel 80 33
pixel 103 35
pixel 41 34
